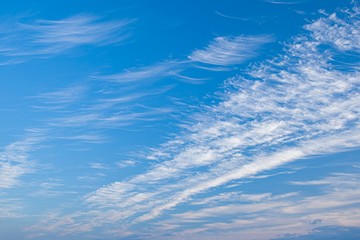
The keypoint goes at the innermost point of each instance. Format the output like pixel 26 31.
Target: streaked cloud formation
pixel 295 106
pixel 226 51
pixel 14 159
pixel 174 121
pixel 285 2
pixel 45 38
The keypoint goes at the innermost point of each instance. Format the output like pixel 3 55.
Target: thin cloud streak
pixel 227 51
pixel 46 38
pixel 231 17
pixel 284 2
pixel 147 73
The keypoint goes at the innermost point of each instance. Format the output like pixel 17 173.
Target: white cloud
pixel 62 96
pixel 44 38
pixel 87 138
pixel 102 104
pixel 226 51
pixel 273 215
pixel 125 163
pixel 342 34
pixel 300 109
pixel 75 30
pixel 10 207
pixel 15 162
pixel 10 173
pixel 293 107
pixel 145 74
pixel 286 2
pixel 98 165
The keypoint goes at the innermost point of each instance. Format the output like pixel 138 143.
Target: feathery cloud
pixel 225 51
pixel 45 38
pixel 310 103
pixel 292 107
pixel 147 73
pixel 285 2
pixel 15 162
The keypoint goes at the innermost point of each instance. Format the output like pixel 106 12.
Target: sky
pixel 180 119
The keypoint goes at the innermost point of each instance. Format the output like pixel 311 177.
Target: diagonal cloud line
pixel 260 165
pixel 290 103
pixel 295 106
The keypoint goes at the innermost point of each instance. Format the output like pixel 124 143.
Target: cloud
pixel 295 106
pixel 88 138
pixel 108 118
pixel 257 166
pixel 259 117
pixel 91 105
pixel 15 162
pixel 125 163
pixel 284 2
pixel 268 215
pixel 240 197
pixel 342 34
pixel 10 207
pixel 59 100
pixel 143 74
pixel 336 179
pixel 45 38
pixel 231 17
pixel 327 233
pixel 50 188
pixel 75 31
pixel 225 51
pixel 62 96
pixel 99 166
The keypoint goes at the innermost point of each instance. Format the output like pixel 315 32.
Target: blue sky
pixel 180 119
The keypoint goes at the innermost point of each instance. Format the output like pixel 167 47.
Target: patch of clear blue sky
pixel 160 31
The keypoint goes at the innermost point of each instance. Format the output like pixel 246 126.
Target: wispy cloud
pixel 44 38
pixel 225 51
pixel 327 232
pixel 147 73
pixel 121 106
pixel 62 96
pixel 231 17
pixel 51 188
pixel 75 31
pixel 10 207
pixel 295 106
pixel 88 138
pixel 60 99
pixel 285 2
pixel 98 165
pixel 15 162
pixel 265 216
pixel 125 163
